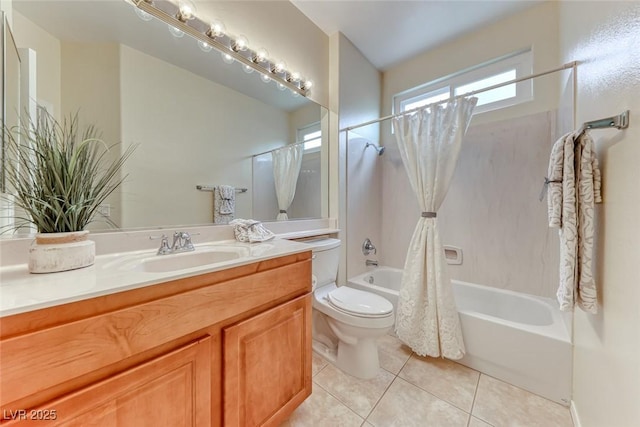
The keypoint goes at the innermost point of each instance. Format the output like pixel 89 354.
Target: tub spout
pixel 371 263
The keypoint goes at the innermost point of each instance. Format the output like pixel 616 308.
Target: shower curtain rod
pixel 510 82
pixel 275 149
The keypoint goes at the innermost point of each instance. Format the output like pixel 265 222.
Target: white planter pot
pixel 52 252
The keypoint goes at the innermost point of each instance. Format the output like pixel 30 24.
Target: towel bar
pixel 213 187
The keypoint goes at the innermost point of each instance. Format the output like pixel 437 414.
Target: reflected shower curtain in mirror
pixel 286 168
pixel 429 141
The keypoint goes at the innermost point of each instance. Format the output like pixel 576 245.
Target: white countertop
pixel 21 291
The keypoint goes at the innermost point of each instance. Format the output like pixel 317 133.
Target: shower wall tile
pixel 364 198
pixel 491 211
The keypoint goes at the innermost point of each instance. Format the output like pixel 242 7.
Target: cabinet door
pixel 170 390
pixel 267 365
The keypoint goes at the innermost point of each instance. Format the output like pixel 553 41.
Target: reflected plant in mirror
pixel 58 174
pixel 196 120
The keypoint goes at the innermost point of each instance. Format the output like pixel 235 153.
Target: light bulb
pixel 279 67
pixel 227 58
pixel 205 47
pixel 175 32
pixel 240 43
pixel 186 10
pixel 143 15
pixel 281 86
pixel 247 69
pixel 293 77
pixel 216 29
pixel 265 78
pixel 261 55
pixel 307 85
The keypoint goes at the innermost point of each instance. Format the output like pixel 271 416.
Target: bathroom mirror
pixel 10 84
pixel 196 120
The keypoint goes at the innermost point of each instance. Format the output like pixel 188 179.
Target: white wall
pixel 49 59
pixel 196 145
pixel 90 82
pixel 604 37
pixel 360 99
pixel 284 31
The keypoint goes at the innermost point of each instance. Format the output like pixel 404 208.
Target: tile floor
pixel 416 391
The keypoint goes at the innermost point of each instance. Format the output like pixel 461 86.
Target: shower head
pixel 380 150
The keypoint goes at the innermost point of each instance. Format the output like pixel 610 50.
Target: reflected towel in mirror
pixel 224 204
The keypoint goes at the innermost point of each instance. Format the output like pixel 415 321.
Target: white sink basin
pixel 201 257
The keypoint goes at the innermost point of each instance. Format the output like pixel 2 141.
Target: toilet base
pixel 360 360
pixel 327 353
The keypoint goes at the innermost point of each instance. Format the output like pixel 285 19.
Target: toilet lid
pixel 359 303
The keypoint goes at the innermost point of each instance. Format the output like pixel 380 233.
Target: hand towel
pixel 250 230
pixel 228 199
pixel 574 187
pixel 224 200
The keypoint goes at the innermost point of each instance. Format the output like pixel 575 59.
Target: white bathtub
pixel 521 339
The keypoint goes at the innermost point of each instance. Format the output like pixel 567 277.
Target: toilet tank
pixel 326 257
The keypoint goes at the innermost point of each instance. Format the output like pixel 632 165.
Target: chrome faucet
pixel 371 263
pixel 181 243
pixel 367 247
pixel 164 248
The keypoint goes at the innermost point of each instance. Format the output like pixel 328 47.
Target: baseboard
pixel 574 415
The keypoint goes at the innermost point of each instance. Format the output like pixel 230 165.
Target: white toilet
pixel 346 321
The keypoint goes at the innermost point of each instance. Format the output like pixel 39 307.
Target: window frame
pixel 306 130
pixel 521 62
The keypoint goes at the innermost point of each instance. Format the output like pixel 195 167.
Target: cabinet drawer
pixel 170 390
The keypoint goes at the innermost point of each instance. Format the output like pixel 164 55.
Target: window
pixel 311 136
pixel 485 75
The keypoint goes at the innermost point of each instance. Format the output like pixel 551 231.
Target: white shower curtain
pixel 286 168
pixel 429 141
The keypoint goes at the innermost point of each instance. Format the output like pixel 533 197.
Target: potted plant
pixel 58 175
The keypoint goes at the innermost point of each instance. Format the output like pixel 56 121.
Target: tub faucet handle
pixel 367 247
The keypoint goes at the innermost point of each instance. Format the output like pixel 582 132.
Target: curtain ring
pixel 428 215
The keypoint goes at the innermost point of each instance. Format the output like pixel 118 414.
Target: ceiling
pixel 390 31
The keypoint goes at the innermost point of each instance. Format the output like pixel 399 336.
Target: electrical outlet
pixel 104 210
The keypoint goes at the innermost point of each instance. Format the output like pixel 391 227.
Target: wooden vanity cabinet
pixel 227 348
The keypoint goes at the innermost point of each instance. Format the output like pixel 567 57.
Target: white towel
pixel 224 204
pixel 574 188
pixel 228 196
pixel 250 230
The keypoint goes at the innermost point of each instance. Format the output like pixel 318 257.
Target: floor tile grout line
pixel 320 370
pixel 341 402
pixel 351 409
pixel 524 389
pixel 441 398
pixel 395 376
pixel 475 393
pixel 382 395
pixel 473 402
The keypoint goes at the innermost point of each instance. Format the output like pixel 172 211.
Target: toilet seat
pixel 359 303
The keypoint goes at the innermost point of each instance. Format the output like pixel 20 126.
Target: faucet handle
pixel 368 247
pixel 188 244
pixel 164 244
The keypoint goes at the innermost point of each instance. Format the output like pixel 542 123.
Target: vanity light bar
pixel 168 12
